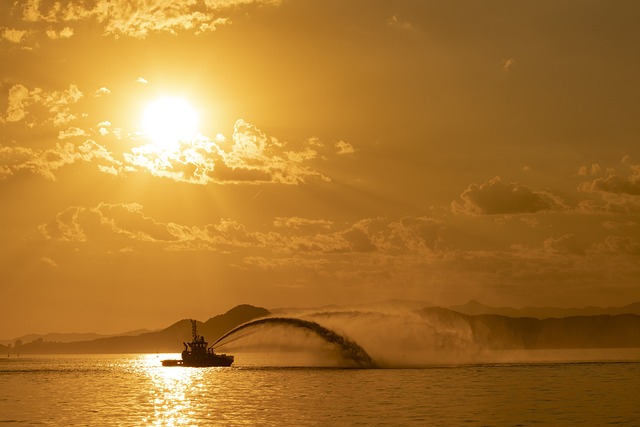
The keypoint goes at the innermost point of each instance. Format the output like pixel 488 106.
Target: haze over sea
pixel 291 389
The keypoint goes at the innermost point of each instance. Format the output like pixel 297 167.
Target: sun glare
pixel 169 120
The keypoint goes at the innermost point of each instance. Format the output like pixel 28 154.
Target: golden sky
pixel 162 160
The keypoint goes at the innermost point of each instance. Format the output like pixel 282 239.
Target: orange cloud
pixel 289 235
pixel 132 18
pixel 254 157
pixel 45 162
pixel 13 35
pixel 57 103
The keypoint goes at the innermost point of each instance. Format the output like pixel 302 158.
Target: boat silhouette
pixel 197 353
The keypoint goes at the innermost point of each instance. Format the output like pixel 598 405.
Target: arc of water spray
pixel 350 350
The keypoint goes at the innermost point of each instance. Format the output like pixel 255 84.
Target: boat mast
pixel 194 329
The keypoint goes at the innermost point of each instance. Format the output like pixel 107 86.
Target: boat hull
pixel 201 362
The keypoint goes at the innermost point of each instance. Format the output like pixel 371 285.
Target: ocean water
pixel 274 390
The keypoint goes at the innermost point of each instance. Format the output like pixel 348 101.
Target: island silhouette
pixel 472 325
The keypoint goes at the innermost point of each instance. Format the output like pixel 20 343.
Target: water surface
pixel 104 390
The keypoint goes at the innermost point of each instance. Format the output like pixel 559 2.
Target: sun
pixel 169 120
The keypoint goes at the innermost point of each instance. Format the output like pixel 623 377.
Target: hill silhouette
pixel 70 337
pixel 474 307
pixel 168 340
pixel 486 330
pixel 494 331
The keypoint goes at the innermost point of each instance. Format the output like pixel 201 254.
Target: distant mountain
pixel 168 340
pixel 217 326
pixel 70 337
pixel 390 305
pixel 454 327
pixel 474 307
pixel 502 332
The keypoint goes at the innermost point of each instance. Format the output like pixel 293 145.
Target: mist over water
pixel 402 338
pixel 396 337
pixel 360 338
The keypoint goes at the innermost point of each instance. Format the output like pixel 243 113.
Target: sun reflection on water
pixel 172 392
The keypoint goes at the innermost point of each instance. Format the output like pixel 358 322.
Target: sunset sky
pixel 162 160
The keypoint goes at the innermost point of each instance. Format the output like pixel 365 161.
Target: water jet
pixel 349 349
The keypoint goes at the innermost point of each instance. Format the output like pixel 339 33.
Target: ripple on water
pixel 136 390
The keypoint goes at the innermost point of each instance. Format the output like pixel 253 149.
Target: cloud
pixel 19 99
pixel 594 169
pixel 105 222
pixel 192 162
pixel 31 11
pixel 127 224
pixel 496 198
pixel 271 263
pixel 161 16
pixel 249 144
pixel 71 133
pixel 45 162
pixel 611 225
pixel 252 150
pixel 134 18
pixel 103 128
pixel 617 192
pixel 371 253
pixel 344 148
pixel 408 236
pixel 615 183
pixel 396 22
pixel 56 103
pixel 64 33
pixel 67 227
pixel 49 261
pixel 253 157
pixel 124 226
pixel 618 245
pixel 566 244
pixel 417 234
pixel 102 91
pixel 248 157
pixel 508 64
pixel 13 35
pixel 608 203
pixel 298 223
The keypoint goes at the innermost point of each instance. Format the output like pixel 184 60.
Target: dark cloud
pixel 358 240
pixel 566 244
pixel 495 197
pixel 616 184
pixel 616 244
pixel 616 193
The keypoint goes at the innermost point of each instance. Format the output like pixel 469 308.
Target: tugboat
pixel 197 354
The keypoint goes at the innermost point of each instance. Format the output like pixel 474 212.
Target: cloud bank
pixel 123 18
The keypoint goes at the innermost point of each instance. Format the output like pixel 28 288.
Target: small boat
pixel 197 354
